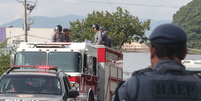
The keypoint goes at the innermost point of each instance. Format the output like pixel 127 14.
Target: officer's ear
pixel 186 52
pixel 152 52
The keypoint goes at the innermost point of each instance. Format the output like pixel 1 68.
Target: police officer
pixel 106 40
pixel 98 35
pixel 104 36
pixel 69 31
pixel 58 36
pixel 66 32
pixel 167 80
pixel 101 29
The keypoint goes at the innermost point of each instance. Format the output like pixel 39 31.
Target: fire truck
pixel 94 71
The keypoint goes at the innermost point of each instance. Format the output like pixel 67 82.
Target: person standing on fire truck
pixel 58 36
pixel 106 40
pixel 66 32
pixel 168 79
pixel 98 35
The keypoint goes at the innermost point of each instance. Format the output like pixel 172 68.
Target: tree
pixel 122 26
pixel 189 18
pixel 4 57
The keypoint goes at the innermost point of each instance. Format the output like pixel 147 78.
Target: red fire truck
pixel 94 71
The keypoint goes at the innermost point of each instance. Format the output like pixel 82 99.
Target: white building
pixel 16 35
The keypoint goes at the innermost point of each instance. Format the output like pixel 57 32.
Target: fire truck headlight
pixel 74 85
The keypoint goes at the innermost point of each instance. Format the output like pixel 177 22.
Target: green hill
pixel 189 18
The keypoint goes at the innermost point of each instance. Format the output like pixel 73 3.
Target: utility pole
pixel 25 21
pixel 30 8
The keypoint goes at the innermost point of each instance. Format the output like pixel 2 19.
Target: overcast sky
pixel 152 9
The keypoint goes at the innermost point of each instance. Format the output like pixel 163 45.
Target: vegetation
pixel 122 26
pixel 189 18
pixel 4 57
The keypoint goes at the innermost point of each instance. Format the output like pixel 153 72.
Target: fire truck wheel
pixel 91 97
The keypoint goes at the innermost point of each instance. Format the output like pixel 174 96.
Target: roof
pixel 64 45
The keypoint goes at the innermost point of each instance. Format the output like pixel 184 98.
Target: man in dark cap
pixel 106 40
pixel 58 36
pixel 167 80
pixel 66 32
pixel 101 29
pixel 104 36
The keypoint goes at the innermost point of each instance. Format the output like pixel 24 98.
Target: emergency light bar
pixel 39 67
pixel 48 43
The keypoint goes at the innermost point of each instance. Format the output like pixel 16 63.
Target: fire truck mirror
pixel 12 59
pixel 73 93
pixel 88 64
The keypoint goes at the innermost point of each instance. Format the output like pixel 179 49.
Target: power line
pixel 110 4
pixel 39 37
pixel 30 36
pixel 149 11
pixel 130 4
pixel 16 36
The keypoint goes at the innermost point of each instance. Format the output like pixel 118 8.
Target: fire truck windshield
pixel 67 61
pixel 31 58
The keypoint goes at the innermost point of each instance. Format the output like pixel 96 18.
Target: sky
pixel 150 9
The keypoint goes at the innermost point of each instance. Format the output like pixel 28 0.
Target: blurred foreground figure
pixel 167 80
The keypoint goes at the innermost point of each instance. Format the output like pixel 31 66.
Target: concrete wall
pixel 135 61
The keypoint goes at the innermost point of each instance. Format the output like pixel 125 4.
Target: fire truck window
pixel 69 62
pixel 31 58
pixel 85 63
pixel 19 57
pixel 94 65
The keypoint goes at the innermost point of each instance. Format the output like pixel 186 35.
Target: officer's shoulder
pixel 193 74
pixel 99 32
pixel 54 33
pixel 141 71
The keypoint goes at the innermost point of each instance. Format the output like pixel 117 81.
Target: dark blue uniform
pixel 106 39
pixel 167 80
pixel 162 84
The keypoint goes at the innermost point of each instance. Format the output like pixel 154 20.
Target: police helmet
pixel 96 26
pixel 168 34
pixel 58 27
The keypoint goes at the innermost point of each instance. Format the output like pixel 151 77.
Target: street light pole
pixel 25 20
